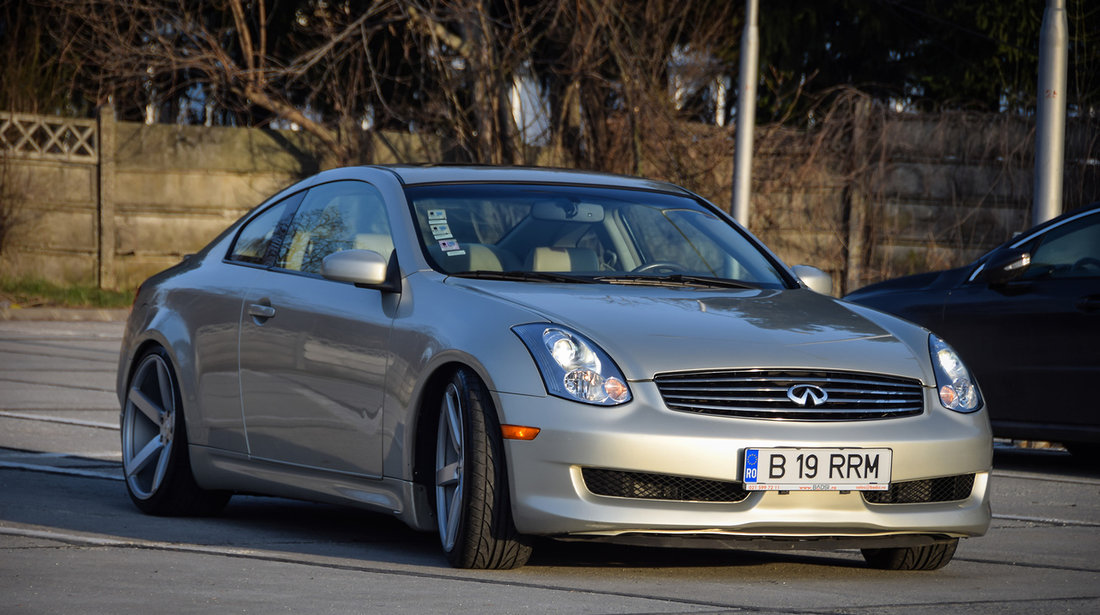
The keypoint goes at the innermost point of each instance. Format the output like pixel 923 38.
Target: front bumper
pixel 550 497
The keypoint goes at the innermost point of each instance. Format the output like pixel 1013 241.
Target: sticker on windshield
pixel 448 245
pixel 437 214
pixel 441 231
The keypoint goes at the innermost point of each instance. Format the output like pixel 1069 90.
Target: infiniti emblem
pixel 807 395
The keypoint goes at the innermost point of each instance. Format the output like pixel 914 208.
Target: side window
pixel 334 217
pixel 1068 252
pixel 256 238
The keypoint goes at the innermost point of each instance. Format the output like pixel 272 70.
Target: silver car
pixel 501 354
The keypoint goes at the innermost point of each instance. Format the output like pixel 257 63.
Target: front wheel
pixel 927 557
pixel 473 511
pixel 155 459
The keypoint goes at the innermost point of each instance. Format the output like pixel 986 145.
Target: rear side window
pixel 257 237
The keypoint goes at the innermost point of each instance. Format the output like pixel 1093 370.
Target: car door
pixel 214 312
pixel 313 352
pixel 1034 342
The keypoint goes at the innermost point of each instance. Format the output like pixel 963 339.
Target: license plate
pixel 817 469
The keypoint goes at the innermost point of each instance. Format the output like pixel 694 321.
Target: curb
pixel 63 314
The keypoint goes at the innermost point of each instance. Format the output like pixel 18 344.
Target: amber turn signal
pixel 519 432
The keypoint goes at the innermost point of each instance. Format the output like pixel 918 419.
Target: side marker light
pixel 519 432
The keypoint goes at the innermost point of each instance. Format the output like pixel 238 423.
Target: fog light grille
pixel 647 486
pixel 947 489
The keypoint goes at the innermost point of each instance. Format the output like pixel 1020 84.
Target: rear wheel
pixel 473 510
pixel 927 557
pixel 155 459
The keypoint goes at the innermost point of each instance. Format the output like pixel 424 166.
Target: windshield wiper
pixel 675 279
pixel 525 276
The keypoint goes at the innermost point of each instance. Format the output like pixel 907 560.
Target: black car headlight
pixel 572 366
pixel 955 384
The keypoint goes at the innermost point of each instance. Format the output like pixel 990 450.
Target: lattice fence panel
pixel 46 137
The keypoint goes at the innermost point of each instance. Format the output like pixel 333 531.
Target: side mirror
pixel 1005 266
pixel 816 279
pixel 360 267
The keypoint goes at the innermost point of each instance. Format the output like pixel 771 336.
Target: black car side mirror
pixel 1006 265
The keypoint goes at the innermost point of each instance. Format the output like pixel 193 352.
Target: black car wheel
pixel 928 557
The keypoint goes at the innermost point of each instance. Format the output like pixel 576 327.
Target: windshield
pixel 591 234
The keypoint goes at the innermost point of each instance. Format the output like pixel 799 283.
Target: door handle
pixel 261 311
pixel 1089 304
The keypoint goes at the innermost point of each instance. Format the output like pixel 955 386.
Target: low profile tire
pixel 473 510
pixel 928 557
pixel 155 459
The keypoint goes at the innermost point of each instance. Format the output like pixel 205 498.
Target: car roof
pixel 448 174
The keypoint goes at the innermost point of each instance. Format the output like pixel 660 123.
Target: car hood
pixel 909 282
pixel 649 330
pixel 918 282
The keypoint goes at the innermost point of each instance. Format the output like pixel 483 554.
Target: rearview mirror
pixel 816 279
pixel 565 210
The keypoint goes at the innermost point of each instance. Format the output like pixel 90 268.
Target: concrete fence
pixel 107 203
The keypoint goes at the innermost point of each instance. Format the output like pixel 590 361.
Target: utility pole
pixel 1050 132
pixel 746 116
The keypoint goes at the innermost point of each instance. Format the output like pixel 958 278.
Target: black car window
pixel 1069 251
pixel 334 217
pixel 257 235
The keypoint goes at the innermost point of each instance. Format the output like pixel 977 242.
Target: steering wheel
pixel 659 266
pixel 1087 263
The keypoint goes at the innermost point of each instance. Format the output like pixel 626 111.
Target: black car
pixel 1026 318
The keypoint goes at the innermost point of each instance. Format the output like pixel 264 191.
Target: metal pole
pixel 746 116
pixel 1050 134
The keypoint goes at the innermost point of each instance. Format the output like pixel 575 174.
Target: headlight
pixel 956 386
pixel 573 367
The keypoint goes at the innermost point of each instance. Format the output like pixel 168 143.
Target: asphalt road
pixel 70 540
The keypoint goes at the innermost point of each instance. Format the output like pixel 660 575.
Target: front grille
pixel 946 489
pixel 763 394
pixel 647 486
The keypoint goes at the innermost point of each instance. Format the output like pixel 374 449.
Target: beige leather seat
pixel 563 259
pixel 471 257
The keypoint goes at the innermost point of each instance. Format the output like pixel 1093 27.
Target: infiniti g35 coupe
pixel 502 354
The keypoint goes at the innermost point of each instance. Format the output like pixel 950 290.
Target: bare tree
pixel 447 68
pixel 223 49
pixel 609 63
pixel 472 52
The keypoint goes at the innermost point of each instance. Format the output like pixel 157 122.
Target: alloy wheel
pixel 449 466
pixel 148 426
